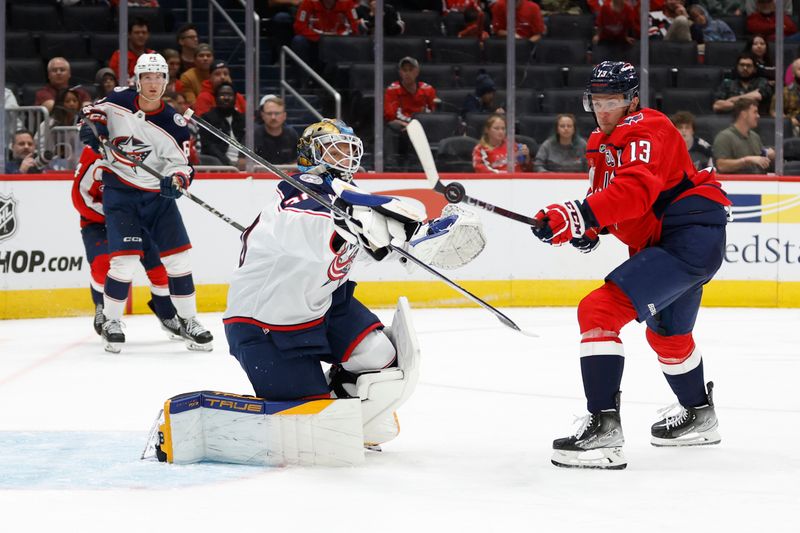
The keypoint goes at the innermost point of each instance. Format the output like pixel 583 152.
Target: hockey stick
pixel 160 177
pixel 454 192
pixel 299 185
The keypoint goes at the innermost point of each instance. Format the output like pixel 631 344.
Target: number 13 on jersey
pixel 640 150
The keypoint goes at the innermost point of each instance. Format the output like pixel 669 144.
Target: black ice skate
pixel 99 318
pixel 597 443
pixel 171 326
pixel 195 335
pixel 687 426
pixel 113 337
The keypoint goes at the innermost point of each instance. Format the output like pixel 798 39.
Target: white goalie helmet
pixel 151 63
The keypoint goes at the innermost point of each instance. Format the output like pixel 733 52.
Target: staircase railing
pixel 285 86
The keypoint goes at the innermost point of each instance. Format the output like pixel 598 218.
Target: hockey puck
pixel 454 192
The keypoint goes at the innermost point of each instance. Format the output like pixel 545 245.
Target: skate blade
pixel 706 438
pixel 112 347
pixel 373 447
pixel 173 336
pixel 599 458
pixel 197 347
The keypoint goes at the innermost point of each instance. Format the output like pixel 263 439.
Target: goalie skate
pixel 195 336
pixel 687 426
pixel 596 444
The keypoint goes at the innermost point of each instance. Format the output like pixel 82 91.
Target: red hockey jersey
pixel 87 188
pixel 313 19
pixel 400 104
pixel 638 170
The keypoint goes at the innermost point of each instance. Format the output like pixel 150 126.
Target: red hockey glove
pixel 588 243
pixel 560 223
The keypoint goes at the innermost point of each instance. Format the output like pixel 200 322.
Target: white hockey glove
pixel 450 241
pixel 374 221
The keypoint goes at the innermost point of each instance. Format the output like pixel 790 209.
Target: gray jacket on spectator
pixel 553 156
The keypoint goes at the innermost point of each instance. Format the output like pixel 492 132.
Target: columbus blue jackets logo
pixel 8 217
pixel 133 147
pixel 342 262
pixel 633 119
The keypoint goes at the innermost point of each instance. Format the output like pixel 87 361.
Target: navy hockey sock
pixel 602 375
pixel 689 387
pixel 97 296
pixel 162 307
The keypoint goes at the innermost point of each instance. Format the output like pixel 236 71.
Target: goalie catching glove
pixel 374 221
pixel 450 241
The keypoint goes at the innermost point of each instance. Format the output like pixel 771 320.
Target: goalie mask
pixel 150 63
pixel 330 143
pixel 611 77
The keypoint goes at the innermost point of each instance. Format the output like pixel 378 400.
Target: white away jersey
pixel 159 139
pixel 288 267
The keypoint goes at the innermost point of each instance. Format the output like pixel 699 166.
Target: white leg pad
pixel 227 428
pixel 383 392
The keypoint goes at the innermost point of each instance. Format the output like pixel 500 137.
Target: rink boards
pixel 43 271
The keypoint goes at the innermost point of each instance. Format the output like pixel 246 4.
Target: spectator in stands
pixel 10 99
pixel 275 141
pixel 758 46
pixel 23 154
pixel 671 23
pixel 206 100
pixel 401 100
pixel 482 100
pixel 459 6
pixel 65 113
pixel 474 24
pixel 191 82
pixel 316 18
pixel 721 8
pixel 565 151
pixel 706 29
pixel 565 7
pixel 138 35
pixel 178 102
pixel 105 80
pixel 746 84
pixel 750 7
pixel 699 149
pixel 188 41
pixel 762 22
pixel 58 75
pixel 491 154
pixel 173 59
pixel 616 23
pixel 791 99
pixel 530 23
pixel 738 149
pixel 229 121
pixel 279 15
pixel 392 23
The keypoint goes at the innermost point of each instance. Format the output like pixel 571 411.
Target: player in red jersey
pixel 645 191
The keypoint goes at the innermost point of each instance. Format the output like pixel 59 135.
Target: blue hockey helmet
pixel 331 143
pixel 612 77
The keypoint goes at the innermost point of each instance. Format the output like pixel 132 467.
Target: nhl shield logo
pixel 8 217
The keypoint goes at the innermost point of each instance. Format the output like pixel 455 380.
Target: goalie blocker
pixel 229 428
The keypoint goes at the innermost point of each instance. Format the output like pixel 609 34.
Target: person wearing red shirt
pixel 138 34
pixel 206 100
pixel 762 21
pixel 530 23
pixel 645 191
pixel 617 23
pixel 491 153
pixel 401 100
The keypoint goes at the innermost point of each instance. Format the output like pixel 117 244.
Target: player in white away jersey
pixel 135 203
pixel 291 303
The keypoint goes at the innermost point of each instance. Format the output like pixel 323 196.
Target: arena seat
pixel 83 72
pixel 496 50
pixel 467 74
pixel 21 44
pixel 562 100
pixel 21 71
pixel 160 41
pixel 96 18
pixel 396 48
pixel 334 49
pixel 453 23
pixel 421 23
pixel 455 154
pixel 791 149
pixel 68 45
pixel 673 53
pixel 439 125
pixel 452 99
pixel 34 17
pixel 475 122
pixel 540 77
pixel 455 50
pixel 737 23
pixel 722 54
pixel 530 142
pixel 792 168
pixel 766 129
pixel 540 127
pixel 560 52
pixel 158 21
pixel 563 26
pixel 102 45
pixel 709 125
pixel 699 77
pixel 696 101
pixel 614 52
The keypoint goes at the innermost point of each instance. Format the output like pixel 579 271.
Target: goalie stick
pixel 299 185
pixel 160 177
pixel 454 192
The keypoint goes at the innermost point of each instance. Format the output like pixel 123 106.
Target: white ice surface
pixel 473 454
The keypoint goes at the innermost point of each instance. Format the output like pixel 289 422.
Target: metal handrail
pixel 213 4
pixel 337 97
